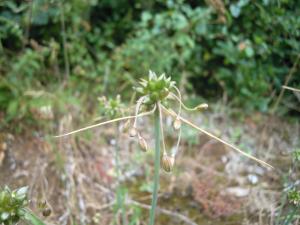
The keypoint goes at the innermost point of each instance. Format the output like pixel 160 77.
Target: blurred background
pixel 58 58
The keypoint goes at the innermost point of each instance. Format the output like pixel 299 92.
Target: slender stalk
pixel 106 122
pixel 172 113
pixel 286 83
pixel 64 39
pixel 156 165
pixel 291 89
pixel 120 190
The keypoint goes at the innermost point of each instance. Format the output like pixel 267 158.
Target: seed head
pixel 46 212
pixel 167 163
pixel 133 132
pixel 177 124
pixel 155 88
pixel 142 142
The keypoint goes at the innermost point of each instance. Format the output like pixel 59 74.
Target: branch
pixel 104 123
pixel 163 211
pixel 290 88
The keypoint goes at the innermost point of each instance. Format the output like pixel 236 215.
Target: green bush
pixel 241 49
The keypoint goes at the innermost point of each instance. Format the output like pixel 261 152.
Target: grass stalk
pixel 120 190
pixel 156 165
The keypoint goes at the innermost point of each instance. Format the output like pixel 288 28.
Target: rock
pixel 253 179
pixel 238 191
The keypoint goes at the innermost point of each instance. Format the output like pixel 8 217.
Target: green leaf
pixel 33 219
pixel 12 108
pixel 249 51
pixel 22 190
pixel 235 10
pixel 4 215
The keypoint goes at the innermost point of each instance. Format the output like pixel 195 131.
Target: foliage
pixel 13 207
pixel 296 155
pixel 294 197
pixel 239 49
pixel 111 108
pixel 289 207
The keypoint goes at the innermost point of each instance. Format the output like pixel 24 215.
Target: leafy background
pixel 57 51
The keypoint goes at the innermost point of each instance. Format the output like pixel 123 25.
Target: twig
pixel 101 207
pixel 286 82
pixel 130 201
pixel 63 33
pixel 290 88
pixel 106 122
pixel 164 211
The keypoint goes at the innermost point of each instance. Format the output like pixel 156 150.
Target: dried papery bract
pixel 167 163
pixel 142 142
pixel 133 132
pixel 125 126
pixel 177 124
pixel 155 92
pixel 46 212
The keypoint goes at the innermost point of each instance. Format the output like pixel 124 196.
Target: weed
pixel 13 207
pixel 155 94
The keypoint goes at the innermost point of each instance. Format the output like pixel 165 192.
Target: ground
pixel 210 184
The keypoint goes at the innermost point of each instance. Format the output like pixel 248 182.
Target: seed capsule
pixel 167 163
pixel 46 212
pixel 177 124
pixel 143 144
pixel 133 132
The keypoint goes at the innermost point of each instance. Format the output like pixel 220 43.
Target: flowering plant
pixel 155 92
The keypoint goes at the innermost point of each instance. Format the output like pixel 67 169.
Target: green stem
pixel 156 165
pixel 120 191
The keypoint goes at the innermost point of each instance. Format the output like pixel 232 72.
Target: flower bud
pixel 177 124
pixel 133 132
pixel 167 163
pixel 202 106
pixel 46 212
pixel 143 144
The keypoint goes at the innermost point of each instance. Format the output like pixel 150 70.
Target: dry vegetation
pixel 210 184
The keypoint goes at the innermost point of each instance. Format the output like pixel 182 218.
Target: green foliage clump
pixel 13 207
pixel 294 197
pixel 112 107
pixel 296 155
pixel 12 204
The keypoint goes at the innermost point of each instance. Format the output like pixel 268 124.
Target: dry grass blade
pixel 171 112
pixel 164 211
pixel 104 123
pixel 290 88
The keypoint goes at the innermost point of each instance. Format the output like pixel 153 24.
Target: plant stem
pixel 64 40
pixel 120 189
pixel 156 165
